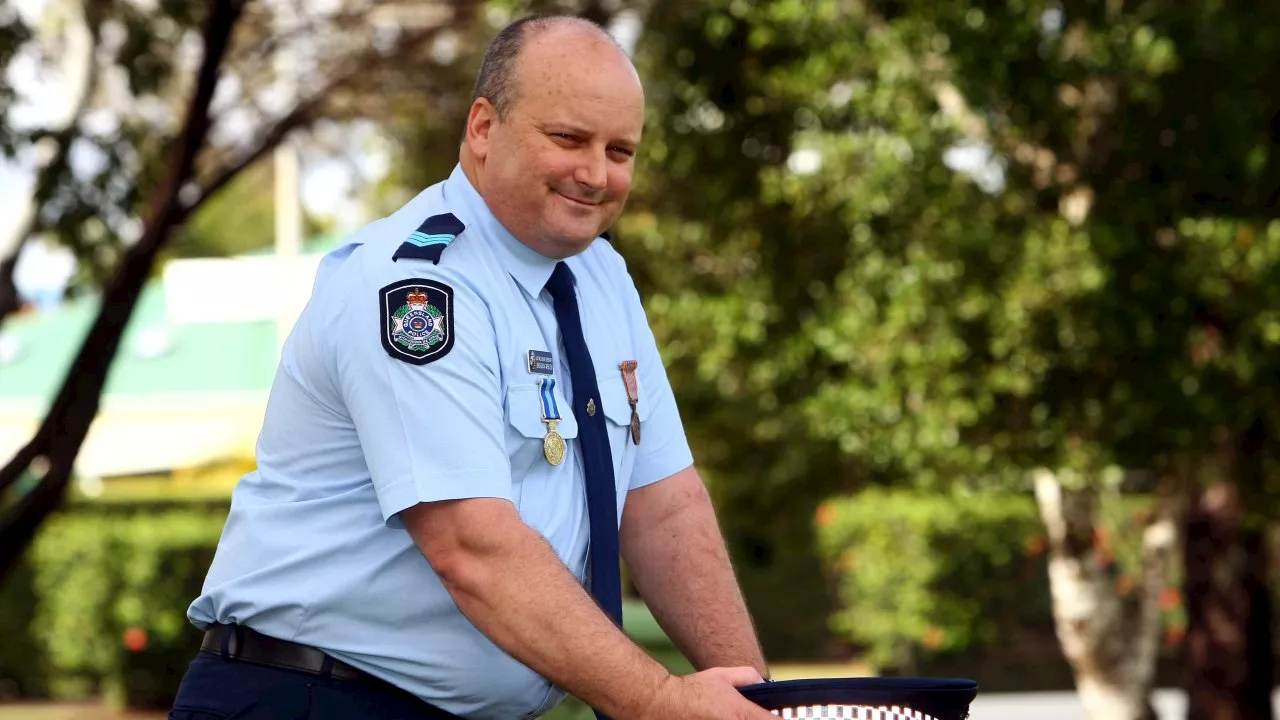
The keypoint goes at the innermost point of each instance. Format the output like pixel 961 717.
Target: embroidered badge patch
pixel 430 239
pixel 417 320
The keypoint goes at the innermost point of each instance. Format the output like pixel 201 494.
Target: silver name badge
pixel 540 362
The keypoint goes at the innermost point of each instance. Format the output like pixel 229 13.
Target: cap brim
pixel 941 698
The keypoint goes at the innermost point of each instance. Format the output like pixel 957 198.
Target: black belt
pixel 243 643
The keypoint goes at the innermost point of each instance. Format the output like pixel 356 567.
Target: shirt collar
pixel 530 269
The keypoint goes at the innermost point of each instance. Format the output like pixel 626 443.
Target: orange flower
pixel 933 637
pixel 1034 546
pixel 135 639
pixel 1101 538
pixel 1170 599
pixel 825 515
pixel 1174 634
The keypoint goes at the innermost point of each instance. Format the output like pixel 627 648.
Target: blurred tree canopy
pixel 840 304
pixel 840 301
pixel 120 72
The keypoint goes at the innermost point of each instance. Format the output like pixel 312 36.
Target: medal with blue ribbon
pixel 552 444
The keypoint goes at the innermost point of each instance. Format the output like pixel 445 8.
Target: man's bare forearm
pixel 678 561
pixel 510 583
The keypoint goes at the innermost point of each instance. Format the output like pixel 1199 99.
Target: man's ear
pixel 480 123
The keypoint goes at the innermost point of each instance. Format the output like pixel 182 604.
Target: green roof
pixel 208 357
pixel 155 355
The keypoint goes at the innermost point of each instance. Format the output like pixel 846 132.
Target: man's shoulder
pixel 423 238
pixel 603 259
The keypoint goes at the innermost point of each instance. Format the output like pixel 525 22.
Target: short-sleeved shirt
pixel 367 416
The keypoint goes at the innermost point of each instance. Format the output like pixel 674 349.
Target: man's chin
pixel 571 241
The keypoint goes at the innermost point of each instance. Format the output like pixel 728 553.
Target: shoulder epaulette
pixel 430 239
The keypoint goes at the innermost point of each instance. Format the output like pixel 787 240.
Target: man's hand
pixel 708 695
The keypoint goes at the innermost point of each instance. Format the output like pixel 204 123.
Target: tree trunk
pixel 1110 646
pixel 1229 663
pixel 51 453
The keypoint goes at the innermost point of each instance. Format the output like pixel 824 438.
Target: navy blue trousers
pixel 218 689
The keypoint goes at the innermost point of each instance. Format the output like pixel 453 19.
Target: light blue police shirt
pixel 313 550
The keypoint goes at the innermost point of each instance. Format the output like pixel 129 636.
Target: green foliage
pixel 923 575
pixel 14 34
pixel 933 573
pixel 22 673
pixel 856 302
pixel 92 208
pixel 838 305
pixel 107 578
pixel 1137 209
pixel 102 609
pixel 239 219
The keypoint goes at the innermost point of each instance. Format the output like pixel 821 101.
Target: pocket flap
pixel 617 407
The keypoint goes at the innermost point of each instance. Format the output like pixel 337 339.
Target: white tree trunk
pixel 1112 649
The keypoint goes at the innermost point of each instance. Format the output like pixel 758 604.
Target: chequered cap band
pixel 852 712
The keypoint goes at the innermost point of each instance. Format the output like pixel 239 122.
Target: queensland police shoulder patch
pixel 417 320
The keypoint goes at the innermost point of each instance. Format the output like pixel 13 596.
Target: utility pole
pixel 287 172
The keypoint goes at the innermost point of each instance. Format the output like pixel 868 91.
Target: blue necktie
pixel 593 438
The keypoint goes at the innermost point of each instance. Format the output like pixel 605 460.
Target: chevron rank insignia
pixel 430 239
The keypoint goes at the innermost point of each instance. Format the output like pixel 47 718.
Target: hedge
pixel 98 608
pixel 923 576
pixel 113 586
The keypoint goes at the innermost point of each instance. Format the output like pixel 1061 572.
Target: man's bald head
pixel 498 80
pixel 551 136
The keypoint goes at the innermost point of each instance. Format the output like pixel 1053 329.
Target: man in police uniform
pixel 469 422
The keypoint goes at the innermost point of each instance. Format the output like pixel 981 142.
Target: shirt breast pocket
pixel 526 432
pixel 617 412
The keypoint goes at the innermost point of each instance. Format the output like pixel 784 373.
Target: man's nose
pixel 593 172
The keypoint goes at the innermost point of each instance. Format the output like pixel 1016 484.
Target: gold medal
pixel 553 444
pixel 633 396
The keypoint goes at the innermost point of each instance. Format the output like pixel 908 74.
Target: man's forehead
pixel 562 50
pixel 582 97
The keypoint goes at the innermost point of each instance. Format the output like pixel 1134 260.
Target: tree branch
pixel 61 434
pixel 77 66
pixel 225 172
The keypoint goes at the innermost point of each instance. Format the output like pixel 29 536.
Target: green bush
pixel 23 672
pixel 99 606
pixel 932 580
pixel 931 573
pixel 113 590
